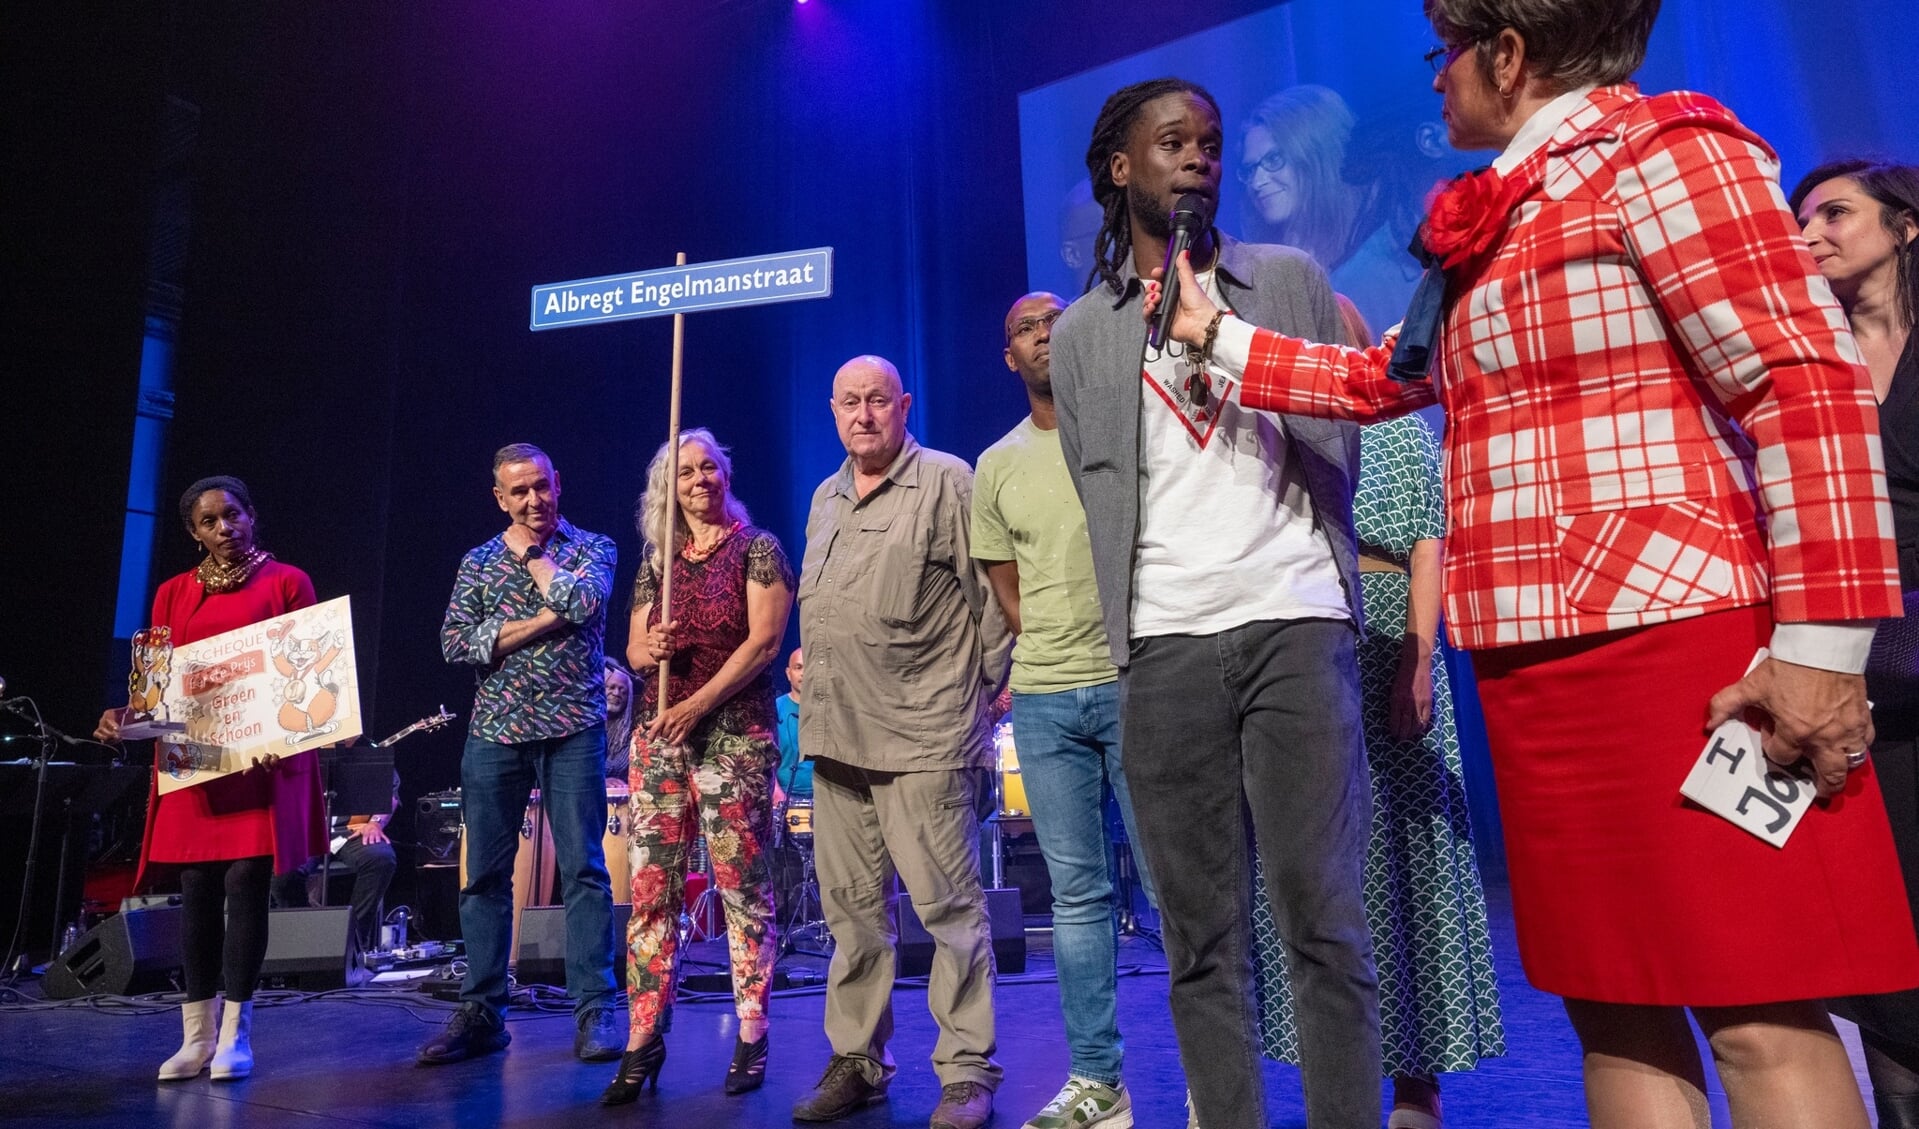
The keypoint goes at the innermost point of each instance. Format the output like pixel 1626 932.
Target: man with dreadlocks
pixel 1224 552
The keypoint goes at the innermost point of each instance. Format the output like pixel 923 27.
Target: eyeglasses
pixel 1442 56
pixel 1270 164
pixel 1026 327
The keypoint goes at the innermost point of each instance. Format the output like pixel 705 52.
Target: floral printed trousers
pixel 720 787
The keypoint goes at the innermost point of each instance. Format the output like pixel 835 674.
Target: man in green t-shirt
pixel 1030 533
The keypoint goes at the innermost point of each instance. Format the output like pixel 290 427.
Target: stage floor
pixel 346 1059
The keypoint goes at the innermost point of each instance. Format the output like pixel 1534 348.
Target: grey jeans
pixel 1261 719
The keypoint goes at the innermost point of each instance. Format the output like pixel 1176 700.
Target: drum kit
pixel 535 864
pixel 1014 816
pixel 536 876
pixel 803 916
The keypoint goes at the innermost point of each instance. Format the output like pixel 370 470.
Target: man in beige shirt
pixel 904 649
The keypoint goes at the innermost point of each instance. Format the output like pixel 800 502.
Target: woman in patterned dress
pixel 1438 999
pixel 704 765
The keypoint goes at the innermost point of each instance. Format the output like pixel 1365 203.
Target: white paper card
pixel 1734 780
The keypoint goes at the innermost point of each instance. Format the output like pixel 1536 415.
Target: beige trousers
pixel 925 826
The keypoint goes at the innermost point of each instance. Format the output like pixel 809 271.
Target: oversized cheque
pixel 284 686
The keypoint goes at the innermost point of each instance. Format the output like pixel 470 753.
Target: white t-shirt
pixel 1226 530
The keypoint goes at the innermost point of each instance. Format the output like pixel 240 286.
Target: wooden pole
pixel 668 551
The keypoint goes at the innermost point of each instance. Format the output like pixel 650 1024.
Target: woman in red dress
pixel 1661 456
pixel 225 839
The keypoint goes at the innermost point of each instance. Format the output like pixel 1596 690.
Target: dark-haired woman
pixel 1861 222
pixel 226 838
pixel 1662 457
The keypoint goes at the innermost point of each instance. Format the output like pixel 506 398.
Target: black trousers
pixel 1260 720
pixel 223 926
pixel 372 866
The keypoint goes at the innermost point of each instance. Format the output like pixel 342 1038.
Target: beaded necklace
pixel 692 553
pixel 217 578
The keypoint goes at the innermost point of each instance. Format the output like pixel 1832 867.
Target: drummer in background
pixel 705 764
pixel 794 780
pixel 619 722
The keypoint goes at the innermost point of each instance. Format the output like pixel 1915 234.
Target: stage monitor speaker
pixel 129 954
pixel 1009 935
pixel 309 950
pixel 1023 867
pixel 542 958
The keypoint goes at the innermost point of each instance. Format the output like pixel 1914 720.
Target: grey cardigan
pixel 1098 352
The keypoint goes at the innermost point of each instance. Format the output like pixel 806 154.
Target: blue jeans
pixel 1068 753
pixel 495 780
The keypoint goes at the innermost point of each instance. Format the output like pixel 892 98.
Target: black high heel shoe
pixel 636 1068
pixel 748 1069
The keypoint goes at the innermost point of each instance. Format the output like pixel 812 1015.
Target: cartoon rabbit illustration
pixel 308 692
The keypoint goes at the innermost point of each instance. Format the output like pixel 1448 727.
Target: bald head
pixel 1034 305
pixel 1029 342
pixel 866 368
pixel 869 408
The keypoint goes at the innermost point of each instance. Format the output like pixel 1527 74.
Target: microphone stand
pixel 47 737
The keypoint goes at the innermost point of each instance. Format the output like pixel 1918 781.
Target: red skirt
pixel 1623 892
pixel 275 812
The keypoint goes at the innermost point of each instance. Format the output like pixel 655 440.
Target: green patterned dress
pixel 1439 1003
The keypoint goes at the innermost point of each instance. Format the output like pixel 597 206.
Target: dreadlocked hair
pixel 1110 132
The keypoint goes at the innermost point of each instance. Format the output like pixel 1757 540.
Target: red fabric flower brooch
pixel 1465 217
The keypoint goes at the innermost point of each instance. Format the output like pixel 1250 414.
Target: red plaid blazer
pixel 1655 407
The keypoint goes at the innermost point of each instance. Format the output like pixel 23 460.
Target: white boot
pixel 234 1058
pixel 197 1020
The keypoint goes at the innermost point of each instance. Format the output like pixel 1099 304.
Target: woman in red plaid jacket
pixel 1662 455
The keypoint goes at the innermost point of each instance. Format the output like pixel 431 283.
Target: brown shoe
pixel 963 1105
pixel 841 1090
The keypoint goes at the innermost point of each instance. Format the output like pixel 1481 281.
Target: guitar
pixel 425 725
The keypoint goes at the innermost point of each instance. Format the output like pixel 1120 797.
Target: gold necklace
pixel 217 578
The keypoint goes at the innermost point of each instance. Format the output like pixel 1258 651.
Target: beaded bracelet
pixel 1204 353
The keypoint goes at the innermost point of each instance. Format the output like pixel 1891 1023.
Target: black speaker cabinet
pixel 542 958
pixel 309 950
pixel 129 954
pixel 1009 935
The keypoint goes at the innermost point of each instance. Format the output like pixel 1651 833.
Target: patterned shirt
pixel 1655 407
pixel 553 686
pixel 709 603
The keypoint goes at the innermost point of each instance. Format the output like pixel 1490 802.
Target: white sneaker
pixel 1192 1112
pixel 1083 1102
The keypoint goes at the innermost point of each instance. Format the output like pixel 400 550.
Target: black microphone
pixel 1188 221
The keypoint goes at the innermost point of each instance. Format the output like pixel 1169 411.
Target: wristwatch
pixel 533 552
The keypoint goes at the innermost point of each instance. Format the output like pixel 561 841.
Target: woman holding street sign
pixel 703 765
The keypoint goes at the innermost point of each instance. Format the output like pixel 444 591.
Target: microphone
pixel 1188 221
